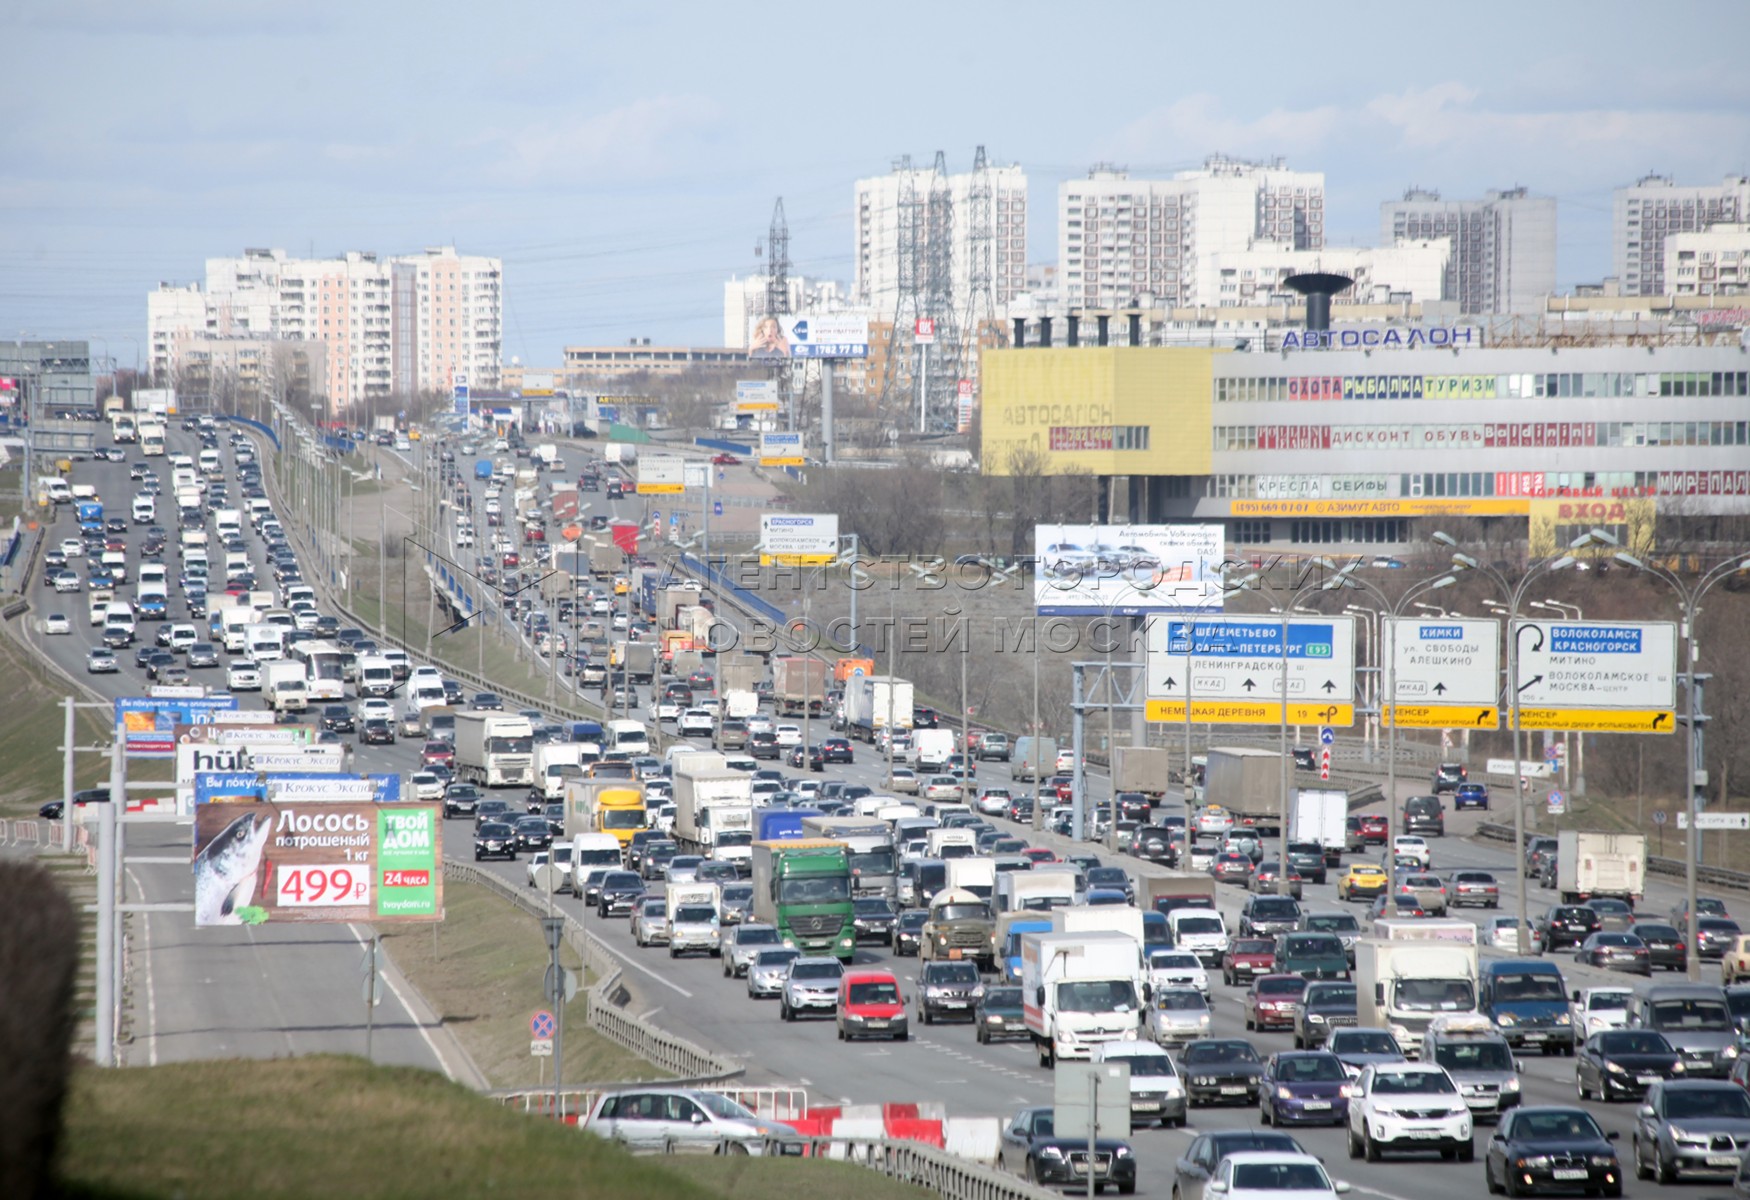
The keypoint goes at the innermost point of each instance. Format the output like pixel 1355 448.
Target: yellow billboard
pixel 1556 523
pixel 1252 712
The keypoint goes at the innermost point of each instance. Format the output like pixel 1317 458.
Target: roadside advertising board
pixel 1447 673
pixel 317 862
pixel 1232 670
pixel 661 474
pixel 1600 676
pixel 808 335
pixel 148 724
pixel 211 787
pixel 782 449
pixel 1126 570
pixel 798 539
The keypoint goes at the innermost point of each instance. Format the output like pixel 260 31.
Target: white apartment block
pixel 1711 262
pixel 745 299
pixel 1124 241
pixel 394 325
pixel 1503 246
pixel 880 214
pixel 1411 270
pixel 1646 214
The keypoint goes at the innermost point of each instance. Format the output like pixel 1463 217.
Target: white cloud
pixel 648 138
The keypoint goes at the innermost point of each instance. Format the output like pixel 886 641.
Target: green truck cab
pixel 803 889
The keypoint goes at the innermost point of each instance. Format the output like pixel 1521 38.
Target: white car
pixel 67 581
pixel 376 710
pixel 759 724
pixel 664 709
pixel 992 802
pixel 57 623
pixel 1212 820
pixel 1415 847
pixel 939 787
pixel 1177 968
pixel 1271 1175
pixel 1177 1015
pixel 696 720
pixel 1599 1008
pixel 1408 1106
pixel 789 735
pixel 905 780
pixel 242 675
pixel 1066 761
pixel 426 786
pixel 72 548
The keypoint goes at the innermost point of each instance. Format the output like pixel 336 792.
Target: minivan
pixel 1528 1003
pixel 871 1005
pixel 1695 1019
pixel 1423 814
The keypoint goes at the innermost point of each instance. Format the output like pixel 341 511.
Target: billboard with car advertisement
pixel 1126 570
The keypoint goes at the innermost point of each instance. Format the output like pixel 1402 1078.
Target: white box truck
pixel 1415 971
pixel 871 699
pixel 710 799
pixel 556 764
pixel 1034 758
pixel 495 749
pixel 1035 891
pixel 1320 816
pixel 284 687
pixel 1600 864
pixel 1091 918
pixel 1079 990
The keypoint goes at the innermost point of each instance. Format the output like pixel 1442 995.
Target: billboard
pixel 1245 670
pixel 317 862
pixel 661 474
pixel 537 383
pixel 781 450
pixel 798 539
pixel 809 335
pixel 148 724
pixel 756 395
pixel 1126 570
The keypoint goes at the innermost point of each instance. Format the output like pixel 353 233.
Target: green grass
pixel 331 1126
pixel 484 981
pixel 30 737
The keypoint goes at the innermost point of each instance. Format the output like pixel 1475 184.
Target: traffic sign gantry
pixel 1445 674
pixel 1236 669
pixel 1602 676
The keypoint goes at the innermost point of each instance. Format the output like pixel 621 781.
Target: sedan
pixel 494 839
pixel 57 623
pixel 339 719
pixel 377 732
pixel 1305 1086
pixel 532 833
pixel 836 750
pixel 1474 887
pixel 939 787
pixel 101 662
pixel 437 753
pixel 203 656
pixel 1273 1001
pixel 1232 866
pixel 1361 882
pixel 1192 1172
pixel 767 970
pixel 1621 1064
pixel 1551 1148
pixel 874 919
pixel 1030 1147
pixel 1221 1071
pixel 1266 880
pixel 1616 952
pixel 1247 958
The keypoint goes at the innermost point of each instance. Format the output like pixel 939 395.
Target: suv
pixel 811 984
pixel 1267 916
pixel 1423 814
pixel 1566 926
pixel 994 746
pixel 1479 1060
pixel 1414 1106
pixel 763 744
pixel 948 989
pixel 1447 777
pixel 1695 1018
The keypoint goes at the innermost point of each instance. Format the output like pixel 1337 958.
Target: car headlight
pixel 1385 1112
pixel 1346 1091
pixel 1731 1052
pixel 1615 1068
pixel 1536 1161
pixel 1506 1018
pixel 1283 1093
pixel 1676 1067
pixel 1563 1019
pixel 1123 1151
pixel 1204 1081
pixel 1050 1152
pixel 1512 1085
pixel 1315 1018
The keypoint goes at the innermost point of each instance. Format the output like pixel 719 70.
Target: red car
pixel 1040 855
pixel 1247 958
pixel 1273 1001
pixel 1374 829
pixel 512 558
pixel 725 460
pixel 437 754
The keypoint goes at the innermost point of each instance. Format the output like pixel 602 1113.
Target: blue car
pixel 1471 795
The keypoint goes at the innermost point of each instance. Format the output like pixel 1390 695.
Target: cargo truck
pixel 803 889
pixel 976 875
pixel 638 660
pixel 1034 759
pixel 1416 971
pixel 959 926
pixel 874 864
pixel 709 799
pixel 798 686
pixel 1248 783
pixel 1590 865
pixel 785 824
pixel 1079 990
pixel 557 764
pixel 1038 890
pixel 1320 816
pixel 494 749
pixel 284 686
pixel 1011 927
pixel 694 919
pixel 1090 918
pixel 871 699
pixel 1179 889
pixel 1143 769
pixel 604 557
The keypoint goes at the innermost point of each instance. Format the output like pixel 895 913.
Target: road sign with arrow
pixel 1238 669
pixel 1604 676
pixel 1446 672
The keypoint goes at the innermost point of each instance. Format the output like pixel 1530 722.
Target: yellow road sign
pixel 1252 712
pixel 784 461
pixel 1444 716
pixel 660 489
pixel 1600 720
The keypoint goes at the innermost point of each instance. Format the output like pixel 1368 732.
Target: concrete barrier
pixel 976 1138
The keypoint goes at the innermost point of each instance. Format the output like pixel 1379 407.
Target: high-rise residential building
pixel 1120 240
pixel 1503 246
pixel 397 325
pixel 1655 208
pixel 1409 270
pixel 885 221
pixel 1710 262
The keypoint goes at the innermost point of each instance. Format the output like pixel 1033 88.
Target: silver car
pixel 1177 1015
pixel 1698 1126
pixel 765 974
pixel 811 985
pixel 649 923
pixel 744 943
pixel 666 1120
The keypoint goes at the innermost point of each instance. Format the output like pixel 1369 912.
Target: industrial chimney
pixel 1318 288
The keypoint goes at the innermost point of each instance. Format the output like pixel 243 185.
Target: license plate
pixel 1147 1106
pixel 1424 1134
pixel 1536 1037
pixel 1568 1173
pixel 1317 1105
pixel 877 1024
pixel 1646 1079
pixel 954 1003
pixel 1722 1160
pixel 1233 1091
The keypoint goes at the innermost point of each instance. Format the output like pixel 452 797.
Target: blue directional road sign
pixel 1327 736
pixel 717 508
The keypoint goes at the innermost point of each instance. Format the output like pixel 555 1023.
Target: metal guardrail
pixel 945 1174
pixel 671 1052
pixel 1656 865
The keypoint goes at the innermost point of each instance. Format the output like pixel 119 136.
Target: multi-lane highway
pixel 252 991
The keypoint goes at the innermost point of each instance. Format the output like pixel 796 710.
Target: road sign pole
pixel 554 928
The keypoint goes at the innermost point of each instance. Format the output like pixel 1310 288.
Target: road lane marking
pixel 151 989
pixel 634 963
pixel 401 998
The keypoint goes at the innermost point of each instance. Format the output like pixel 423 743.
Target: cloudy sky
pixel 623 159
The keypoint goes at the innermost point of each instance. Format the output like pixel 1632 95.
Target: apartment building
pixel 1654 209
pixel 892 212
pixel 1710 262
pixel 1503 246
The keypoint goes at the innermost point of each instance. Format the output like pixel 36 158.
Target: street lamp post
pixel 1578 762
pixel 1689 604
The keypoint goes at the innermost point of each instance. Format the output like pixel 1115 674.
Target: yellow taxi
pixel 1361 881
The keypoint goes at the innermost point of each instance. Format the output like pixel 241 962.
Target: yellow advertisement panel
pixel 660 489
pixel 1556 523
pixel 1443 716
pixel 1600 720
pixel 1416 506
pixel 1252 712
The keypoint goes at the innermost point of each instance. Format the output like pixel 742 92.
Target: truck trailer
pixel 495 749
pixel 1590 864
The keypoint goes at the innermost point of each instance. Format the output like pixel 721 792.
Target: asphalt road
pixel 296 989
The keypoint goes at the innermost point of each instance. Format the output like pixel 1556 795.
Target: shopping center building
pixel 1342 440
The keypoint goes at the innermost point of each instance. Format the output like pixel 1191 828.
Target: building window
pixel 1249 532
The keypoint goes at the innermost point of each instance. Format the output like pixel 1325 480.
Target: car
pixel 656 1120
pixel 437 753
pixel 1221 1071
pixel 532 833
pixel 939 787
pixel 487 701
pixel 1478 888
pixel 1303 1087
pixel 1714 936
pixel 1177 1015
pixel 1212 820
pixel 998 1016
pixel 696 721
pixel 618 893
pixel 1545 1148
pixel 338 718
pixel 1359 1049
pixel 948 988
pixel 1401 1107
pixel 1448 777
pixel 908 931
pixel 837 750
pixel 874 918
pixel 1616 952
pixel 767 969
pixel 810 985
pixel 870 1005
pixel 1684 1126
pixel 725 459
pixel 57 623
pixel 100 661
pixel 1614 916
pixel 1115 878
pixel 1362 881
pixel 1621 1064
pixel 1029 1146
pixel 1707 906
pixel 1414 847
pixel 1232 866
pixel 1428 891
pixel 495 839
pixel 203 656
pixel 1565 927
pixel 460 799
pixel 242 675
pixel 1273 1001
pixel 172 675
pixel 744 943
pixel 376 732
pixel 1267 880
pixel 1192 1172
pixel 1269 915
pixel 1247 958
pixel 1328 1005
pixel 1470 795
pixel 649 923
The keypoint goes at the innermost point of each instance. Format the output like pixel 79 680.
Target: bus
pixel 323 663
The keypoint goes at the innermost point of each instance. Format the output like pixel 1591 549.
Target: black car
pixel 1621 1064
pixel 1714 936
pixel 653 862
pixel 1309 859
pixel 1221 1071
pixel 1447 777
pixel 1326 1004
pixel 1113 878
pixel 810 757
pixel 620 892
pixel 1616 952
pixel 1565 927
pixel 1665 946
pixel 836 750
pixel 1265 916
pixel 486 701
pixel 874 919
pixel 1030 1147
pixel 999 1015
pixel 377 731
pixel 494 839
pixel 635 848
pixel 1305 759
pixel 1551 1148
pixel 339 718
pixel 763 744
pixel 908 931
pixel 461 799
pixel 1153 842
pixel 533 833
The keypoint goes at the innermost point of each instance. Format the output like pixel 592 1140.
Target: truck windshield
pixel 597 858
pixel 510 745
pixel 817 889
pixel 1435 995
pixel 1547 988
pixel 873 862
pixel 734 837
pixel 1096 996
pixel 931 877
pixel 1200 925
pixel 1044 903
pixel 962 912
pixel 622 818
pixel 695 914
